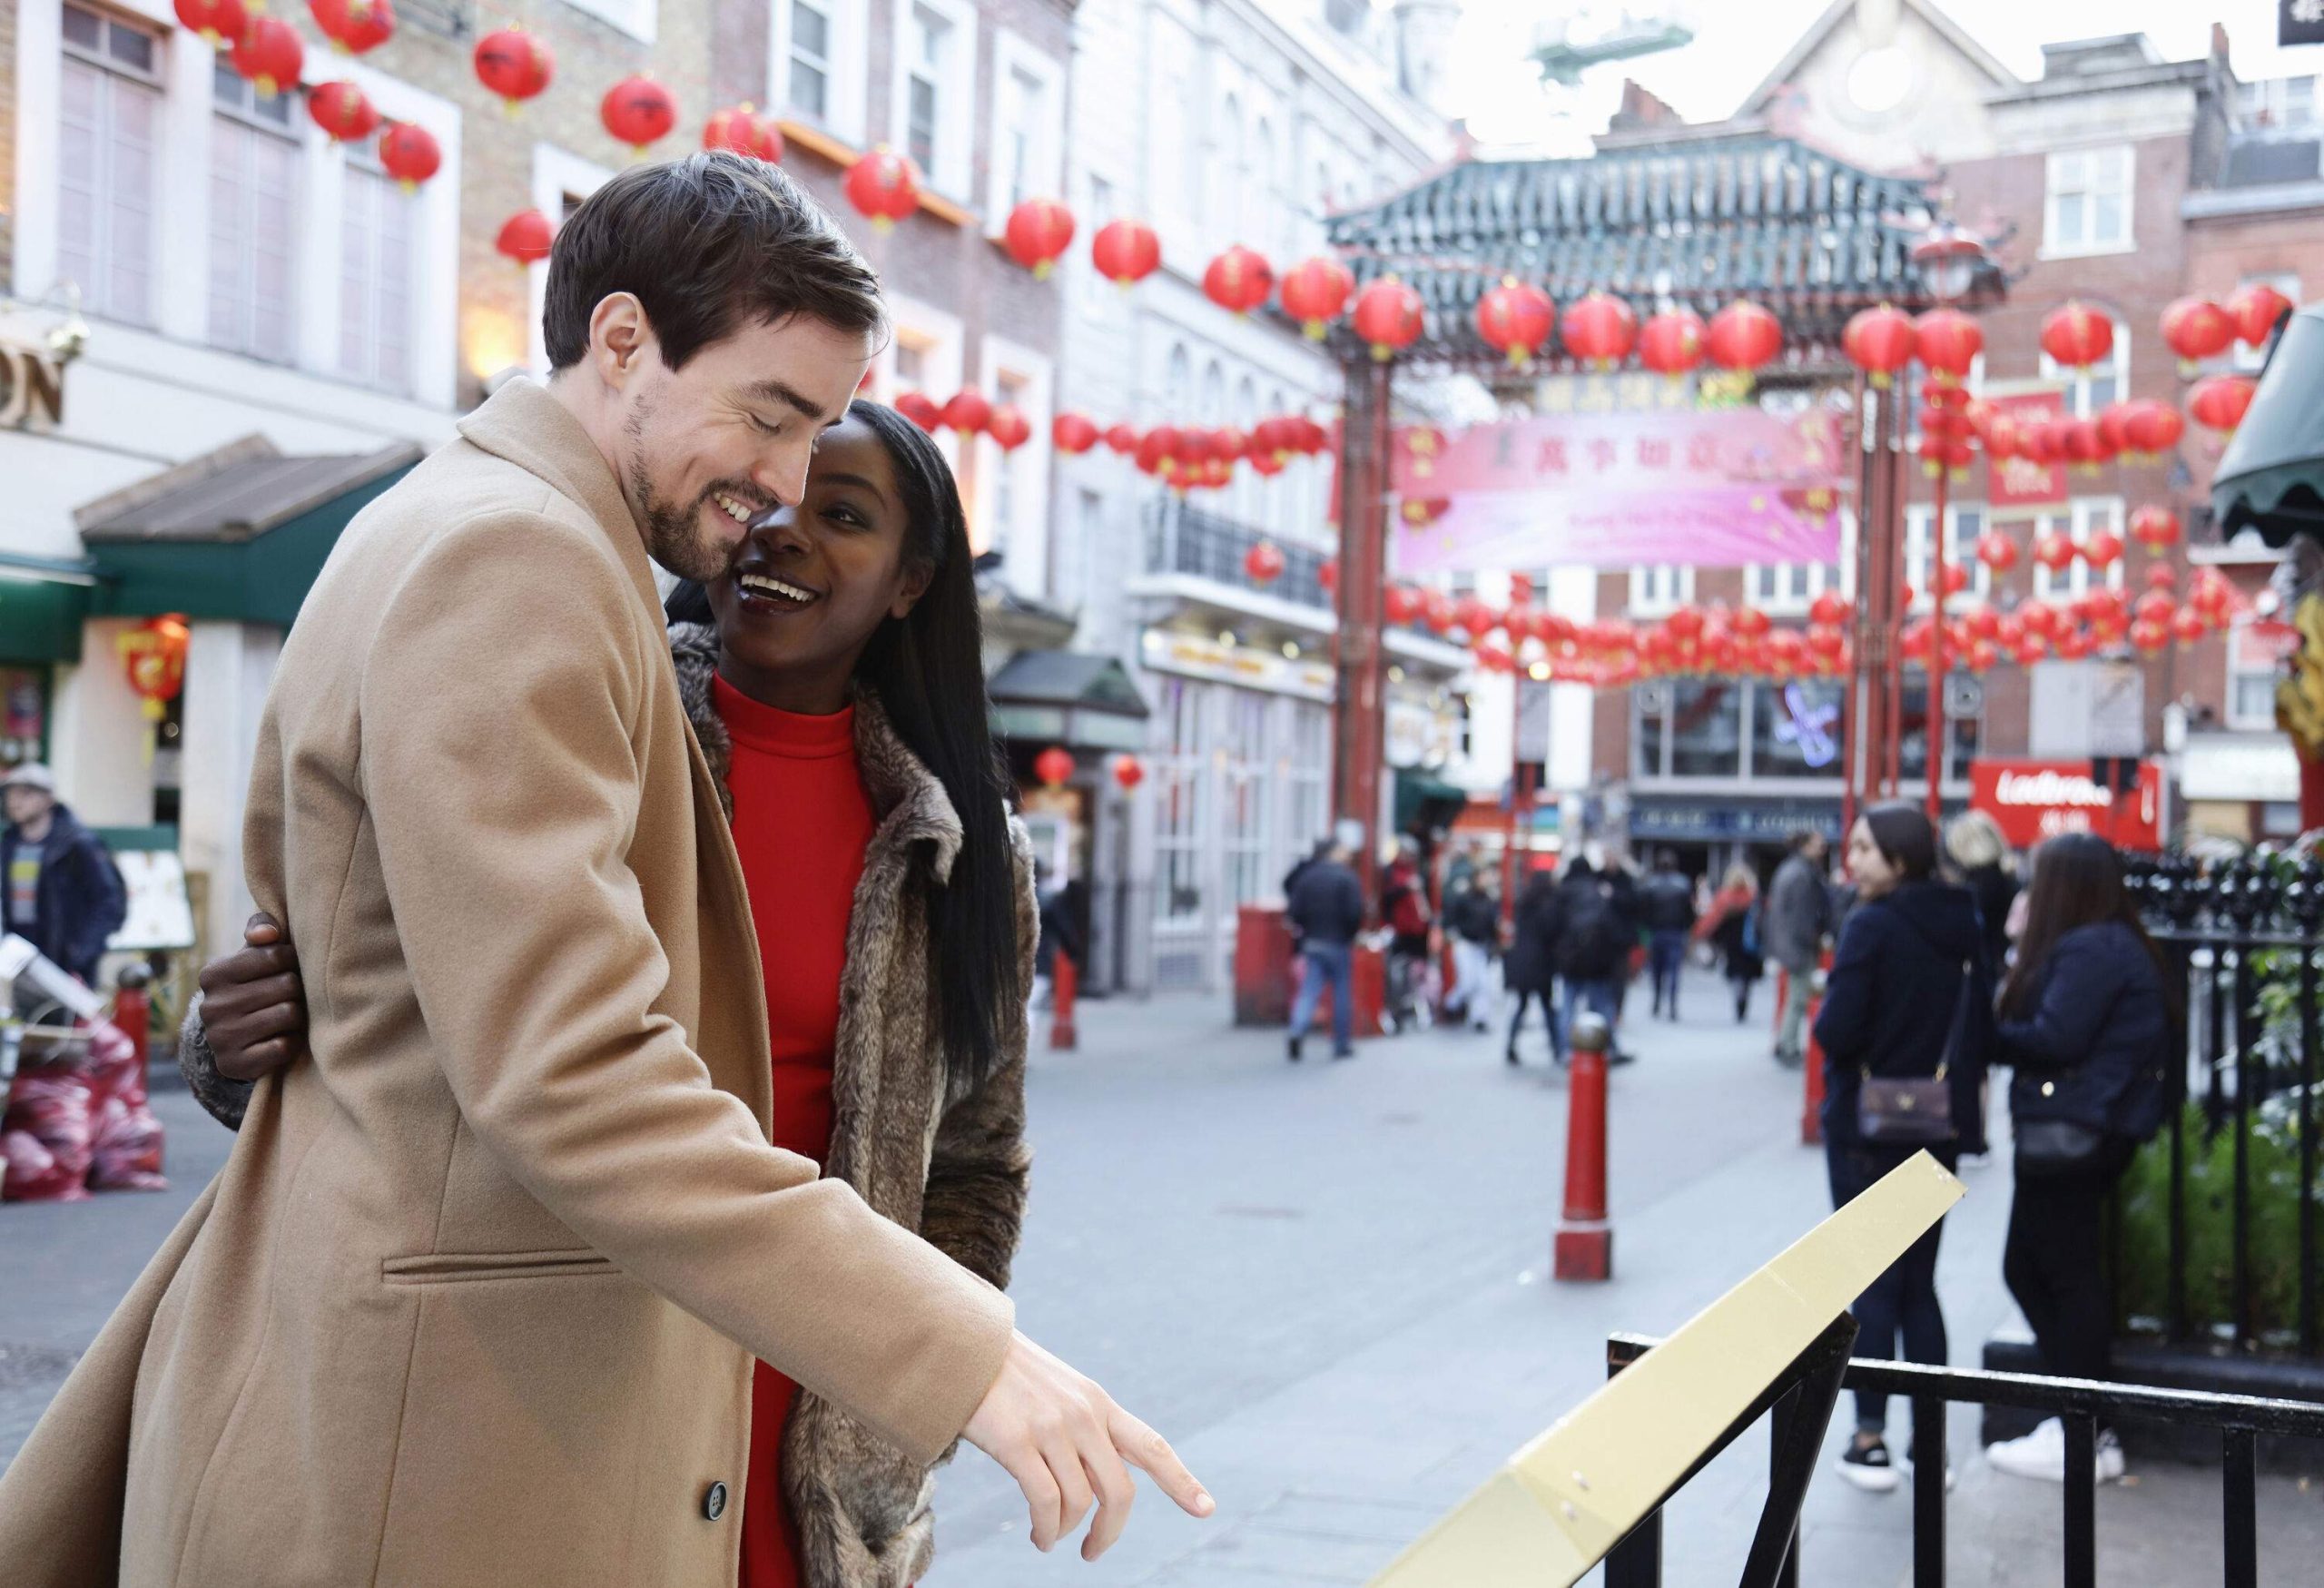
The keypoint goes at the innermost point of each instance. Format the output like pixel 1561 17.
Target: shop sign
pixel 1192 655
pixel 2032 800
pixel 2019 481
pixel 1654 817
pixel 32 386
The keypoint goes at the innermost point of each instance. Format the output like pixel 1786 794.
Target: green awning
pixel 1424 800
pixel 2271 477
pixel 42 607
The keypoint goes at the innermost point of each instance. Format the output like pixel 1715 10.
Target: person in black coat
pixel 1326 911
pixel 1530 970
pixel 1909 996
pixel 59 888
pixel 2087 1022
pixel 1974 845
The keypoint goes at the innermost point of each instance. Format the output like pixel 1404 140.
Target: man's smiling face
pixel 707 446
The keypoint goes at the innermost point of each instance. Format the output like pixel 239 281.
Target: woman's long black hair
pixel 928 671
pixel 2078 882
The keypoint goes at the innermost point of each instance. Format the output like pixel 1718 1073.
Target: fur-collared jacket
pixel 945 1161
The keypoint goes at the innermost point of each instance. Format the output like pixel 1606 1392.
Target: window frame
pixel 1045 176
pixel 2082 514
pixel 2088 248
pixel 154 79
pixel 640 19
pixel 1960 551
pixel 953 164
pixel 2079 401
pixel 847 77
pixel 242 117
pixel 2236 634
pixel 1645 603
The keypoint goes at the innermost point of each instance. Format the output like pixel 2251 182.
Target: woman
pixel 1731 928
pixel 1908 998
pixel 1973 844
pixel 1531 969
pixel 2085 1022
pixel 840 700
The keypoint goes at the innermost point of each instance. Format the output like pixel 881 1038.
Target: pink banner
pixel 1717 489
pixel 2019 482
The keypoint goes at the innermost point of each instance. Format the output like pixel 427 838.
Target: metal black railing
pixel 1798 1405
pixel 2246 938
pixel 1181 538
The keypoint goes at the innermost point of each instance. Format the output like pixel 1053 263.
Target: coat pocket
pixel 465 1268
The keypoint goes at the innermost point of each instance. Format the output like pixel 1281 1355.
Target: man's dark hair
pixel 708 244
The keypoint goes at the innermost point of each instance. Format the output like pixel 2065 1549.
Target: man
pixel 59 890
pixel 1795 920
pixel 1404 906
pixel 476 1298
pixel 1326 911
pixel 1669 909
pixel 1596 933
pixel 1473 921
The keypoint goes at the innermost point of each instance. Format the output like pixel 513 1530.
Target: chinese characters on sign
pixel 1611 489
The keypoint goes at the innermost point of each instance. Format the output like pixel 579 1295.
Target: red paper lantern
pixel 1403 603
pixel 1315 293
pixel 1829 608
pixel 1126 252
pixel 525 236
pixel 1008 426
pixel 1947 342
pixel 216 21
pixel 1743 336
pixel 2255 308
pixel 2075 336
pixel 343 111
pixel 2156 528
pixel 2054 551
pixel 513 63
pixel 2086 445
pixel 1328 575
pixel 2113 423
pixel 1473 616
pixel 2187 626
pixel 637 111
pixel 1671 342
pixel 1824 640
pixel 740 130
pixel 2102 549
pixel 1598 329
pixel 153 656
pixel 1879 341
pixel 1983 655
pixel 1515 319
pixel 1128 771
pixel 2040 618
pixel 1955 579
pixel 883 187
pixel 2161 575
pixel 1436 611
pixel 1389 317
pixel 354 26
pixel 1054 766
pixel 1073 433
pixel 1264 562
pixel 2074 645
pixel 1997 551
pixel 2218 402
pixel 2149 637
pixel 2197 329
pixel 2152 427
pixel 1037 235
pixel 2212 595
pixel 920 408
pixel 271 55
pixel 2031 649
pixel 967 412
pixel 1752 624
pixel 1239 279
pixel 408 152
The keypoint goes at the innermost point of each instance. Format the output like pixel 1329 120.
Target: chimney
pixel 2219 43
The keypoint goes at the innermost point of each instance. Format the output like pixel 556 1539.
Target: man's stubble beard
pixel 672 534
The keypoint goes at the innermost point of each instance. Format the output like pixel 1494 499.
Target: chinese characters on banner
pixel 2019 482
pixel 1611 489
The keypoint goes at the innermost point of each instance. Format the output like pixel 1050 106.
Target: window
pixel 253 199
pixel 2275 105
pixel 375 277
pixel 109 130
pixel 1706 728
pixel 2087 208
pixel 2249 359
pixel 2083 518
pixel 2253 670
pixel 1965 523
pixel 2089 390
pixel 1263 218
pixel 1178 803
pixel 1007 490
pixel 1244 792
pixel 924 87
pixel 809 81
pixel 933 91
pixel 1660 590
pixel 1796 728
pixel 1021 118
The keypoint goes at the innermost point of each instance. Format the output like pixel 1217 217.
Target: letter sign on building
pixel 2034 800
pixel 32 386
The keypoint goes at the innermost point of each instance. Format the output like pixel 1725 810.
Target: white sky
pixel 1737 42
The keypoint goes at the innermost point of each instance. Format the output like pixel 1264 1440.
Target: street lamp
pixel 1949 258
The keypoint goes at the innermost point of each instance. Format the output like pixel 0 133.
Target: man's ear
pixel 620 339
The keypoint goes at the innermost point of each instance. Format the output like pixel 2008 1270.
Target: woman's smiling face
pixel 809 586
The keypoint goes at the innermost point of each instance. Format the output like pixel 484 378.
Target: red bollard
pixel 133 1012
pixel 1585 1240
pixel 1811 1115
pixel 1064 982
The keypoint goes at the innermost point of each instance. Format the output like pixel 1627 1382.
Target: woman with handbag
pixel 1900 1076
pixel 2086 1020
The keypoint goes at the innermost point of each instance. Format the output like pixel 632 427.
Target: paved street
pixel 1326 1283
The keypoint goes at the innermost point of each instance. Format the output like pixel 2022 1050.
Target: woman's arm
pixel 1843 1025
pixel 2078 992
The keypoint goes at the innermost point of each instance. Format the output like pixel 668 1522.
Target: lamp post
pixel 1949 258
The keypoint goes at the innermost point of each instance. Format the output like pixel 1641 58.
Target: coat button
pixel 713 1504
pixel 2049 1089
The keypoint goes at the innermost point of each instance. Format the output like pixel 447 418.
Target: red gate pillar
pixel 1359 700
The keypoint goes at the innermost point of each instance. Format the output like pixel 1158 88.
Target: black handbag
pixel 2057 1146
pixel 1917 1110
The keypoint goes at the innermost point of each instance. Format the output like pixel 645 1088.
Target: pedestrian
pixel 1327 909
pixel 1531 969
pixel 59 888
pixel 1731 927
pixel 1597 930
pixel 1668 903
pixel 1473 921
pixel 1404 906
pixel 491 1267
pixel 2086 1025
pixel 1980 857
pixel 1905 1031
pixel 1793 925
pixel 1061 933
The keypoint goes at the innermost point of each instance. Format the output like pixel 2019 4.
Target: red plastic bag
pixel 126 1138
pixel 46 1136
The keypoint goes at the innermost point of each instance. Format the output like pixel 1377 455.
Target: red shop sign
pixel 2034 800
